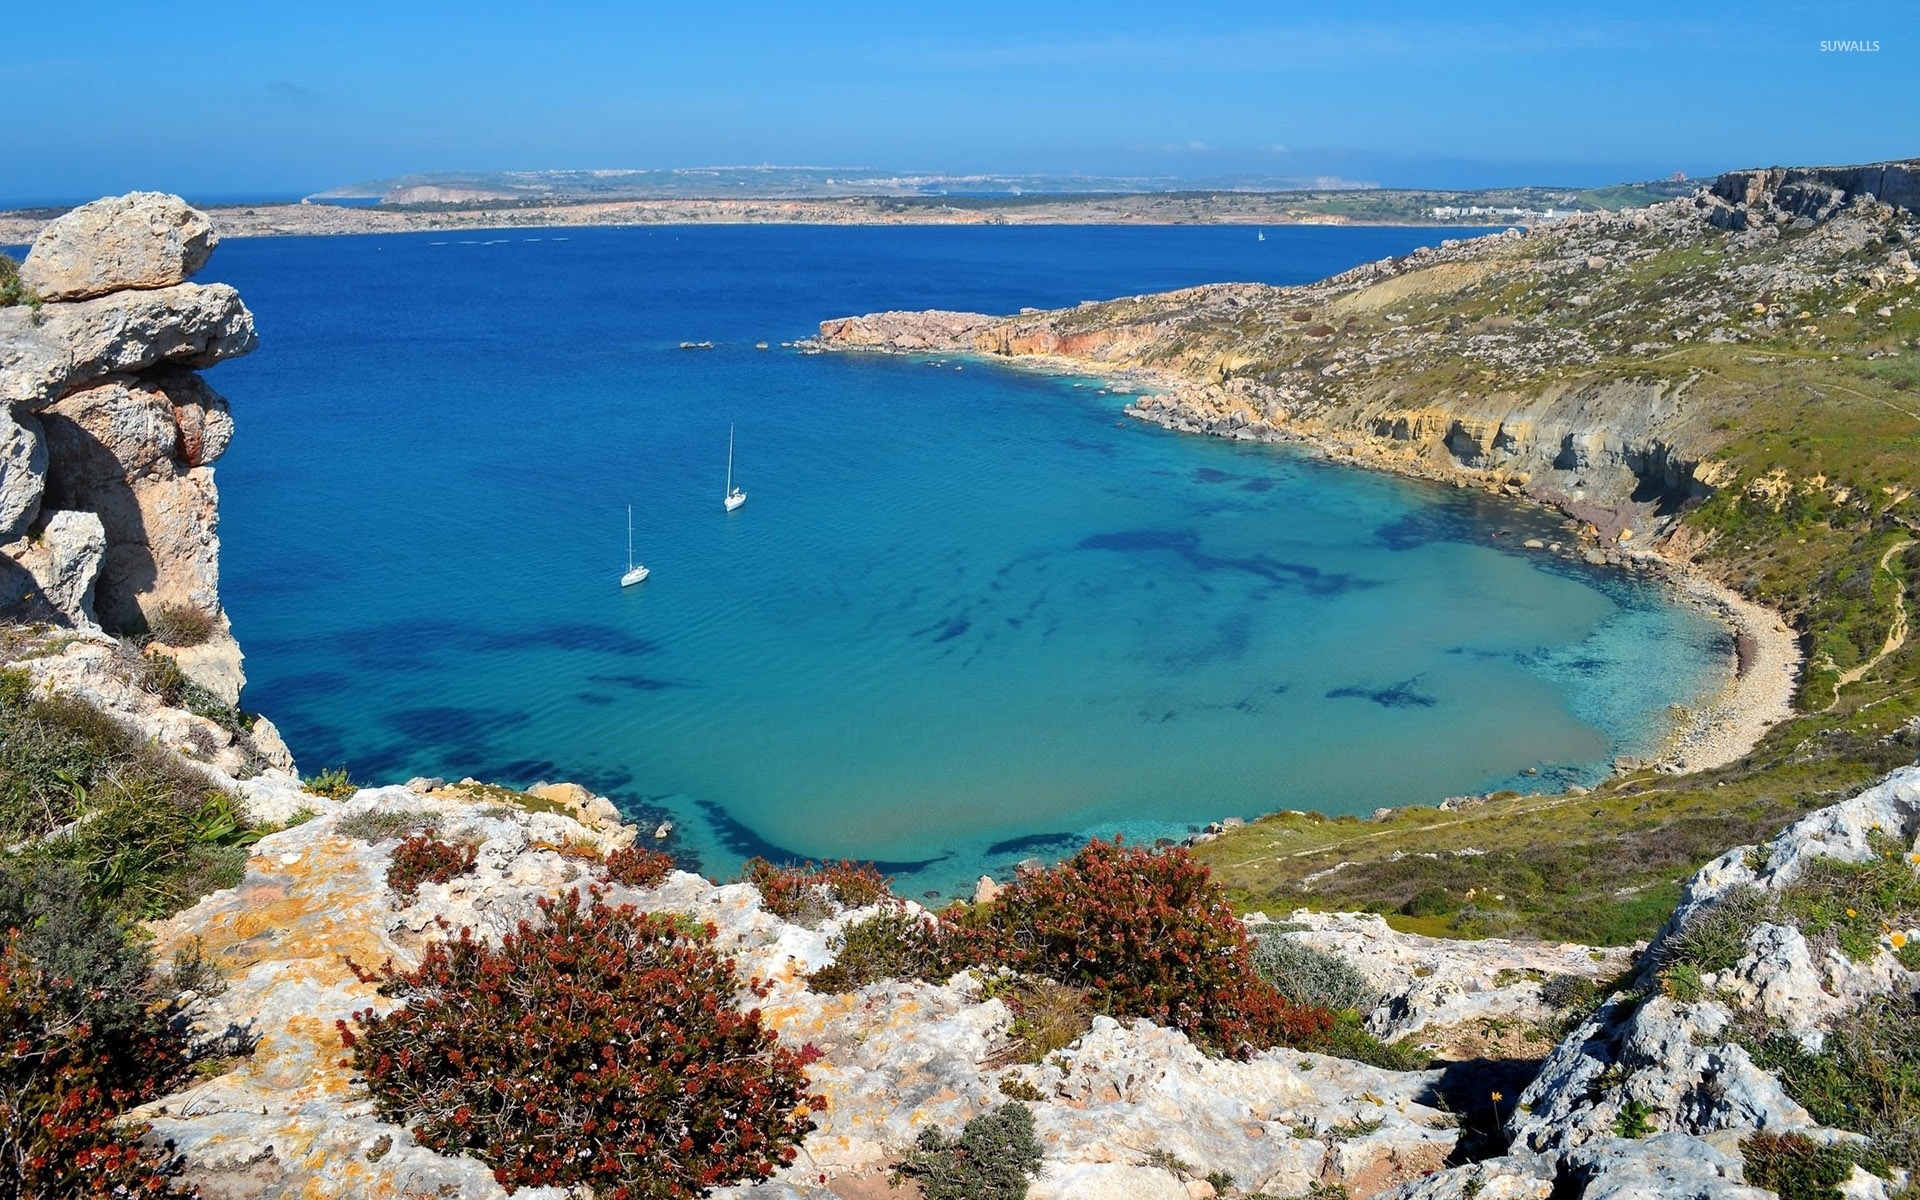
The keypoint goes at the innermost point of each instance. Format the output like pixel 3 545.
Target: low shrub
pixel 424 858
pixel 1047 1016
pixel 1714 938
pixel 181 625
pixel 806 894
pixel 379 824
pixel 331 784
pixel 599 1048
pixel 637 866
pixel 1852 904
pixel 1347 1037
pixel 141 826
pixel 1866 1077
pixel 995 1157
pixel 891 944
pixel 83 1038
pixel 1312 977
pixel 1796 1167
pixel 1634 1120
pixel 161 677
pixel 1432 901
pixel 12 290
pixel 1147 934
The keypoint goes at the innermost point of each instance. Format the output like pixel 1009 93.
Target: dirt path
pixel 1896 634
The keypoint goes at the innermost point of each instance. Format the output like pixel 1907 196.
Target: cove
pixel 969 614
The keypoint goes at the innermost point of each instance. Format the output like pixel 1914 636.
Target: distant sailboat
pixel 635 571
pixel 1261 235
pixel 735 497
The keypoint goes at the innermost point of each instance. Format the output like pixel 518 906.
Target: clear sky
pixel 220 99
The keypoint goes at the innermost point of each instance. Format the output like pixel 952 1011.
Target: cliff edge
pixel 109 519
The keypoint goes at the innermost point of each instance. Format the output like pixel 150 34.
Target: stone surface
pixel 23 472
pixel 119 444
pixel 1427 983
pixel 139 240
pixel 185 325
pixel 55 571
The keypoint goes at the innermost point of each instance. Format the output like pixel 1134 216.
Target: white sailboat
pixel 635 571
pixel 735 497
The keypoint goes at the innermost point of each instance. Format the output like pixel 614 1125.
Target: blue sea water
pixel 968 614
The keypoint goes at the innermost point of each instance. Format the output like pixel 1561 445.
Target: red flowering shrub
pixel 1148 934
pixel 424 858
pixel 801 893
pixel 637 866
pixel 71 1061
pixel 601 1048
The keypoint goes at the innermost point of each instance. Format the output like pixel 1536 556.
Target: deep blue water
pixel 968 613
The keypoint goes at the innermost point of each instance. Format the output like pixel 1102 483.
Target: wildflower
pixel 1899 939
pixel 1498 1097
pixel 1852 913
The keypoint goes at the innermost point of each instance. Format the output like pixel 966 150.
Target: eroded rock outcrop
pixel 107 426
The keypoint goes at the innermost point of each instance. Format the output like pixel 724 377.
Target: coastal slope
pixel 1719 387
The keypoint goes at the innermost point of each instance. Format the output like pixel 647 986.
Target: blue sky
pixel 217 98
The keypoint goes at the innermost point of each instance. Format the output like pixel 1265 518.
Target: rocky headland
pixel 1761 1044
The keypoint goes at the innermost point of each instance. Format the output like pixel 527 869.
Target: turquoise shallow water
pixel 968 613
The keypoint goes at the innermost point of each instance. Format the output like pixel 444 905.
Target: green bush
pixel 1349 1038
pixel 378 824
pixel 331 784
pixel 1796 1167
pixel 12 291
pixel 1851 904
pixel 891 944
pixel 1866 1077
pixel 1714 938
pixel 1313 977
pixel 1431 901
pixel 995 1157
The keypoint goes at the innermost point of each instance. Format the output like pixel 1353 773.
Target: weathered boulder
pixel 139 240
pixel 34 365
pixel 60 564
pixel 23 472
pixel 187 325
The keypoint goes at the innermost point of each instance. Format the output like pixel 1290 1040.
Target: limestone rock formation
pixel 105 416
pixel 139 240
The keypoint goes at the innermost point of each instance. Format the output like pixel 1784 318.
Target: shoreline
pixel 1762 676
pixel 21 226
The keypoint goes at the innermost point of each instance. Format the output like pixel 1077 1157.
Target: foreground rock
pixel 139 240
pixel 107 424
pixel 287 1118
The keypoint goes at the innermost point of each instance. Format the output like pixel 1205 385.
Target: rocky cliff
pixel 108 434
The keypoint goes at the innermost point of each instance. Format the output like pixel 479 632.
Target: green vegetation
pixel 332 784
pixel 1313 977
pixel 1798 1168
pixel 995 1157
pixel 890 944
pixel 145 832
pixel 379 824
pixel 12 291
pixel 1865 1078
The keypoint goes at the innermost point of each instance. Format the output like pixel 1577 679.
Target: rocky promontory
pixel 108 514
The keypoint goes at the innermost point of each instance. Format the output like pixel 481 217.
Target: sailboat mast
pixel 729 458
pixel 629 537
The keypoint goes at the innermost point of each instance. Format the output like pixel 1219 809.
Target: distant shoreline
pixel 21 226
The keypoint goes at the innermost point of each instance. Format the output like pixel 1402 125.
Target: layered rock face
pixel 108 511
